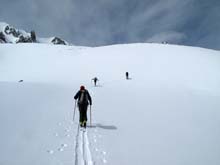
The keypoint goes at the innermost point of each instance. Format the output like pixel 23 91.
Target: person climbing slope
pixel 95 79
pixel 127 75
pixel 84 99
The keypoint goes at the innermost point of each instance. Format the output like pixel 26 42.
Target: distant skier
pixel 127 75
pixel 95 79
pixel 84 99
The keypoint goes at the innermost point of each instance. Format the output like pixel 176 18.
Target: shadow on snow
pixel 109 127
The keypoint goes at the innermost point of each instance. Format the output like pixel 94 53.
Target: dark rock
pixel 33 36
pixel 23 39
pixel 11 30
pixel 2 38
pixel 1 41
pixel 58 41
pixel 7 30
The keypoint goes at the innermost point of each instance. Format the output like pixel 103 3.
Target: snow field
pixel 167 113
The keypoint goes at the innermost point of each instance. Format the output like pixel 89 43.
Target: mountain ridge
pixel 9 34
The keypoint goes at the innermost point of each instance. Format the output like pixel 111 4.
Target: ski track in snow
pixel 82 150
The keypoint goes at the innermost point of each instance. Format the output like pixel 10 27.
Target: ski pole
pixel 90 116
pixel 74 112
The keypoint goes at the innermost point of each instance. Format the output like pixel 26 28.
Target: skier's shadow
pixel 109 127
pixel 99 85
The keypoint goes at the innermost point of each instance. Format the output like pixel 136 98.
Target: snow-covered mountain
pixel 166 113
pixel 9 34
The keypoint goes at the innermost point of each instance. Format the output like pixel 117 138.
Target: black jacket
pixel 87 95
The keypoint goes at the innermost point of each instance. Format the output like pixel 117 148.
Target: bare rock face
pixel 58 41
pixel 10 30
pixel 33 36
pixel 9 34
pixel 2 42
pixel 2 38
pixel 23 39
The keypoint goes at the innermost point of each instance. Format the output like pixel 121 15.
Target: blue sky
pixel 103 22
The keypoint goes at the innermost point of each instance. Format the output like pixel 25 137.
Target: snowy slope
pixel 168 113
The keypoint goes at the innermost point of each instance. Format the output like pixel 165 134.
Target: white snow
pixel 167 113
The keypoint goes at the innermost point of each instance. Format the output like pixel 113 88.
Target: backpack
pixel 83 99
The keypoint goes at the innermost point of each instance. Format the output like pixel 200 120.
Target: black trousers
pixel 83 112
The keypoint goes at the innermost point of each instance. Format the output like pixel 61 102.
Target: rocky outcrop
pixel 23 39
pixel 33 36
pixel 58 41
pixel 9 34
pixel 2 38
pixel 10 30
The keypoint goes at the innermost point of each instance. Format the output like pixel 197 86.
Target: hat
pixel 82 87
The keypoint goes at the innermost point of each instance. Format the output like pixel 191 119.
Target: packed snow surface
pixel 167 113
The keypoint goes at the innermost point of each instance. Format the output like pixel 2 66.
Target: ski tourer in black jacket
pixel 86 101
